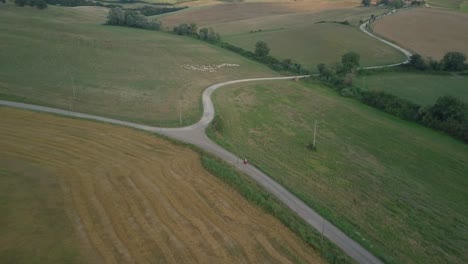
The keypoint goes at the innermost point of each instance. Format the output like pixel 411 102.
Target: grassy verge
pixel 261 198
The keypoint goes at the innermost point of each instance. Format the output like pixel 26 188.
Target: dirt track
pixel 137 199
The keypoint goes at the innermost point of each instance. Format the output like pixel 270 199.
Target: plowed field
pixel 123 197
pixel 429 32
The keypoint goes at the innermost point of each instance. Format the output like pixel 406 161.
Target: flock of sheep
pixel 208 68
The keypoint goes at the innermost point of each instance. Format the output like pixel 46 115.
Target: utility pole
pixel 180 114
pixel 73 87
pixel 315 132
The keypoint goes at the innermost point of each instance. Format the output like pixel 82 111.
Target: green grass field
pixel 320 43
pixel 297 36
pixel 420 88
pixel 294 33
pixel 67 58
pixel 398 188
pixel 451 4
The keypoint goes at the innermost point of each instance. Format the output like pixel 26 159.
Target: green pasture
pixel 398 188
pixel 301 38
pixel 66 58
pixel 420 88
pixel 320 43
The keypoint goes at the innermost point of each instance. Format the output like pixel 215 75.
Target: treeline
pixel 40 4
pixel 448 114
pixel 152 11
pixel 129 18
pixel 452 61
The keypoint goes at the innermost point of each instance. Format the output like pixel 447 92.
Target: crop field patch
pixel 97 193
pixel 429 32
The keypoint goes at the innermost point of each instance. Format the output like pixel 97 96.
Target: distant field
pixel 398 188
pixel 291 31
pixel 451 4
pixel 66 58
pixel 75 191
pixel 430 32
pixel 423 89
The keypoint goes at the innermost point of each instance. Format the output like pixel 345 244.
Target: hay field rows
pixel 122 196
pixel 429 32
pixel 77 63
pixel 396 187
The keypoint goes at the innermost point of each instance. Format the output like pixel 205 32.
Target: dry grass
pixel 131 198
pixel 430 32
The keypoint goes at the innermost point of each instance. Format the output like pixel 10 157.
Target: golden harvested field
pixel 429 32
pixel 78 191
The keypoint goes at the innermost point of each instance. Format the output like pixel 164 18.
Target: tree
pixel 453 61
pixel 350 61
pixel 416 61
pixel 448 107
pixel 116 16
pixel 41 4
pixel 366 2
pixel 261 49
pixel 20 2
pixel 3 1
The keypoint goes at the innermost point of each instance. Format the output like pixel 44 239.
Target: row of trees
pixel 40 4
pixel 129 18
pixel 448 114
pixel 206 34
pixel 452 61
pixel 152 10
pixel 340 74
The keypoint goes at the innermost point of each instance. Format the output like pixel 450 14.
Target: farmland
pixel 291 29
pixel 75 191
pixel 79 64
pixel 377 177
pixel 420 88
pixel 429 32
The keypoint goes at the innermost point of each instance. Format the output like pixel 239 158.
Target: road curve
pixel 408 54
pixel 195 134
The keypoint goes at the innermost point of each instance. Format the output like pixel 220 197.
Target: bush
pixel 119 17
pixel 152 11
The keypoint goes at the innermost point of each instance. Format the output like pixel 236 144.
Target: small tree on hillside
pixel 350 61
pixel 416 61
pixel 116 16
pixel 261 49
pixel 453 61
pixel 3 1
pixel 366 2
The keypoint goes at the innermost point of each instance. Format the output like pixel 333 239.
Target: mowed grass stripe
pixel 128 197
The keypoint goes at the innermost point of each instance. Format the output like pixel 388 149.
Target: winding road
pixel 195 134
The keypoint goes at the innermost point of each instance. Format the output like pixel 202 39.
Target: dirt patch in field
pixel 221 13
pixel 429 32
pixel 134 198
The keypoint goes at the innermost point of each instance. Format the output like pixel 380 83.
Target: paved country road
pixel 195 134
